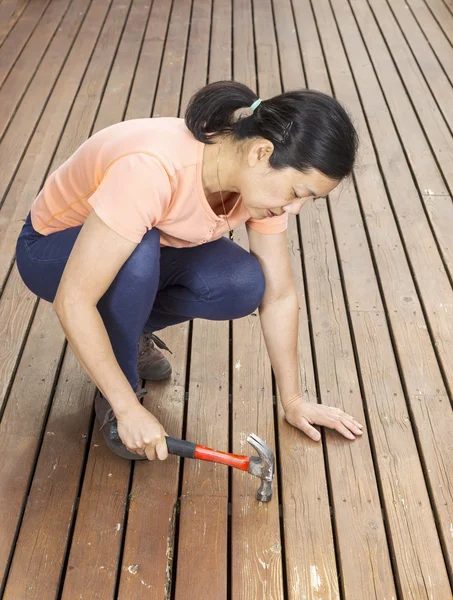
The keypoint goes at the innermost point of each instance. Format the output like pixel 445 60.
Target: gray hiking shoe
pixel 109 427
pixel 152 364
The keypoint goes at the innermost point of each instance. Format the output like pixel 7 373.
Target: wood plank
pixel 22 422
pixel 85 108
pixel 437 79
pixel 44 532
pixel 363 554
pixel 169 88
pixel 17 305
pixel 153 500
pixel 146 76
pixel 423 380
pixel 256 545
pixel 432 281
pixel 196 72
pixel 204 499
pixel 123 70
pixel 96 545
pixel 309 542
pixel 14 43
pixel 35 163
pixel 411 525
pixel 244 43
pixel 220 58
pixel 268 76
pixel 291 69
pixel 10 13
pixel 418 149
pixel 436 22
pixel 39 54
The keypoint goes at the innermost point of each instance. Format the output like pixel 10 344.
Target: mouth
pixel 270 213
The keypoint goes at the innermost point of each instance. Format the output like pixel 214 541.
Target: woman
pixel 125 239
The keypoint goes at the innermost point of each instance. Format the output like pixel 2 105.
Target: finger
pixel 344 430
pixel 343 415
pixel 350 424
pixel 356 423
pixel 162 450
pixel 312 432
pixel 150 452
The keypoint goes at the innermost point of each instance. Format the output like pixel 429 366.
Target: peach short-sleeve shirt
pixel 137 175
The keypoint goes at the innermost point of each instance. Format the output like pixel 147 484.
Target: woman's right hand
pixel 142 433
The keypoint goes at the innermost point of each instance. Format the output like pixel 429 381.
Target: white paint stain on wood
pixel 238 365
pixel 263 564
pixel 296 585
pixel 315 579
pixel 133 569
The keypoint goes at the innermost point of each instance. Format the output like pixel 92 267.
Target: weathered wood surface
pixel 373 270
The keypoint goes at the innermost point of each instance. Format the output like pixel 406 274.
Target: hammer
pixel 261 466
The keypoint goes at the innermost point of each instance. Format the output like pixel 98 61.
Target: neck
pixel 219 164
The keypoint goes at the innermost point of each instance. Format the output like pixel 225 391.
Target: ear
pixel 260 152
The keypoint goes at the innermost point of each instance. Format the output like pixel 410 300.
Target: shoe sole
pixel 156 377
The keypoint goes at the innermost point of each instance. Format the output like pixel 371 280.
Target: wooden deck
pixel 373 264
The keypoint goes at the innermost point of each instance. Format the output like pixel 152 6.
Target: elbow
pixel 287 296
pixel 63 305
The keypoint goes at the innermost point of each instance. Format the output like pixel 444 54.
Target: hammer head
pixel 262 466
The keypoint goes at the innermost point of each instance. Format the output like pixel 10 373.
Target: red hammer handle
pixel 191 450
pixel 224 458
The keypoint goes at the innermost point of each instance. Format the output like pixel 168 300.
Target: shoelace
pixel 152 337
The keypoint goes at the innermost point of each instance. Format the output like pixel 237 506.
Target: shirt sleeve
pixel 134 194
pixel 269 225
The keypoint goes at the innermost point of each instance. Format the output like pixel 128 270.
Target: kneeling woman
pixel 125 239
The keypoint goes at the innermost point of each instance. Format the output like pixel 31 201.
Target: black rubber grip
pixel 181 447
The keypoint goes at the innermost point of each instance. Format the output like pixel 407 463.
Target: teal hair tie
pixel 255 104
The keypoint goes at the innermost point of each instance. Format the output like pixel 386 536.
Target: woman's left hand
pixel 304 415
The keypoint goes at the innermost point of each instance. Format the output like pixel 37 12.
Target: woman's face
pixel 267 192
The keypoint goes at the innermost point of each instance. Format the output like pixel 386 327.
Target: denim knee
pixel 143 263
pixel 247 285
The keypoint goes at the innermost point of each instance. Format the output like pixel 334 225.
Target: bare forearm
pixel 88 338
pixel 279 321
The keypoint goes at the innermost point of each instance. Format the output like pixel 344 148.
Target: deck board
pixel 373 270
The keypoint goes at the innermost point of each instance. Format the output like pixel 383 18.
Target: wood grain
pixel 43 537
pixel 204 499
pixel 153 499
pixel 10 13
pixel 15 37
pixel 46 48
pixel 22 422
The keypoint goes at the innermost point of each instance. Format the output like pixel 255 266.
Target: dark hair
pixel 309 129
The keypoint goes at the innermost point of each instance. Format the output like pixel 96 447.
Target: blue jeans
pixel 155 288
